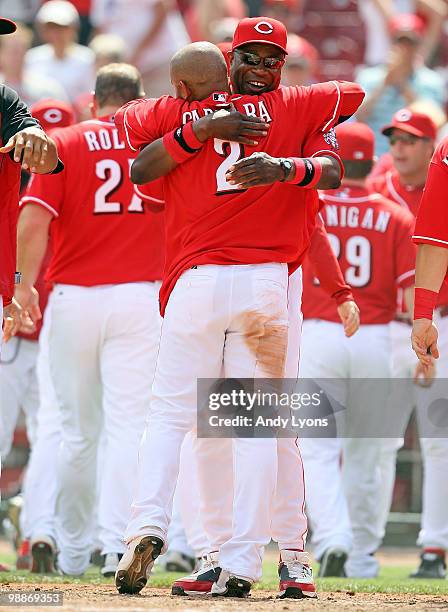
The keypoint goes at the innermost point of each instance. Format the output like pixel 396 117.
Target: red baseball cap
pixel 7 26
pixel 418 124
pixel 53 113
pixel 356 141
pixel 406 25
pixel 261 30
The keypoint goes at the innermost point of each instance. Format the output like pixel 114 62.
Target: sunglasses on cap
pixel 252 59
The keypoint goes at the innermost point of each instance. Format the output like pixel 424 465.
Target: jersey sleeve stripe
pixel 429 239
pixel 147 197
pixel 404 276
pixel 33 200
pixel 125 123
pixel 338 101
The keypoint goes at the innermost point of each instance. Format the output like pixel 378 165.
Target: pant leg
pixel 324 356
pixel 12 389
pixel 41 479
pixel 191 347
pixel 77 315
pixel 256 347
pixel 128 356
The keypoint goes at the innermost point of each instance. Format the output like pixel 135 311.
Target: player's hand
pixel 12 319
pixel 349 314
pixel 28 298
pixel 424 375
pixel 424 341
pixel 231 126
pixel 258 169
pixel 32 142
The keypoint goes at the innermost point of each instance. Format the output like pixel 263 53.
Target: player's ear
pixel 230 56
pixel 93 106
pixel 183 91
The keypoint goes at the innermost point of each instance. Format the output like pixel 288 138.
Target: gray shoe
pixel 110 564
pixel 332 563
pixel 432 565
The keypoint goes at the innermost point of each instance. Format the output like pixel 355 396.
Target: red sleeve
pixel 405 251
pixel 152 194
pixel 326 266
pixel 143 121
pixel 47 190
pixel 431 226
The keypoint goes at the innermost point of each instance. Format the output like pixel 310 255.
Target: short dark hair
pixel 117 84
pixel 357 169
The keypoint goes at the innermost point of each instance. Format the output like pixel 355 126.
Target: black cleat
pixel 432 565
pixel 332 563
pixel 136 564
pixel 43 555
pixel 229 585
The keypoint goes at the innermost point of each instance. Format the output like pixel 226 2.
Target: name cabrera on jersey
pixel 211 222
pixel 102 232
pixel 371 237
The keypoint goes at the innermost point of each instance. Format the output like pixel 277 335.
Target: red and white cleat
pixel 201 581
pixel 296 575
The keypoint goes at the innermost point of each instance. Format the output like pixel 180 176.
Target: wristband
pixel 308 172
pixel 425 301
pixel 182 143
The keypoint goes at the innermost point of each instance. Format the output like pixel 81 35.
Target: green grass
pixel 391 580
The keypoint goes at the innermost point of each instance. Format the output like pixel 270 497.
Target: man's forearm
pixel 152 162
pixel 32 242
pixel 431 267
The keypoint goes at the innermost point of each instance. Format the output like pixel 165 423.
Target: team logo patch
pixel 330 139
pixel 264 27
pixel 220 97
pixel 53 115
pixel 403 115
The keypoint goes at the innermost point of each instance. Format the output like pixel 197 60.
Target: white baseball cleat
pixel 230 585
pixel 296 575
pixel 136 564
pixel 201 581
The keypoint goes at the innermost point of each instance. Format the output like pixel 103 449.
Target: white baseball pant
pixel 342 504
pixel 434 447
pixel 213 501
pixel 103 346
pixel 233 317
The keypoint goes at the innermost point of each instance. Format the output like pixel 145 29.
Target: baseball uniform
pixel 229 273
pixel 103 337
pixel 360 227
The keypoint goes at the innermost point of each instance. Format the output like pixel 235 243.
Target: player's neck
pixel 351 182
pixel 416 179
pixel 106 111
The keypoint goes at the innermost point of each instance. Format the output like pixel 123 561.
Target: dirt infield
pixel 78 598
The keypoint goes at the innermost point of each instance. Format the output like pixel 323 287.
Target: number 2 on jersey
pixel 232 152
pixel 111 172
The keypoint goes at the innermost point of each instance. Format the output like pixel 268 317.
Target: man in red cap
pixel 400 82
pixel 258 54
pixel 365 229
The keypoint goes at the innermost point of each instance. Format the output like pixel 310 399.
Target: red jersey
pixel 390 186
pixel 101 232
pixel 371 238
pixel 431 226
pixel 208 221
pixel 14 117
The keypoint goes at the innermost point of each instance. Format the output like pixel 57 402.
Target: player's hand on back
pixel 349 314
pixel 258 169
pixel 424 341
pixel 231 126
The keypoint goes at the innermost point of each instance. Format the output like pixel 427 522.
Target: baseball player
pixel 104 323
pixel 19 383
pixel 411 137
pixel 361 226
pixel 431 236
pixel 25 145
pixel 240 562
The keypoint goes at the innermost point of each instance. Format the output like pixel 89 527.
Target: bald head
pixel 197 70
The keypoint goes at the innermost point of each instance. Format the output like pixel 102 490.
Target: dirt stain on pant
pixel 267 340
